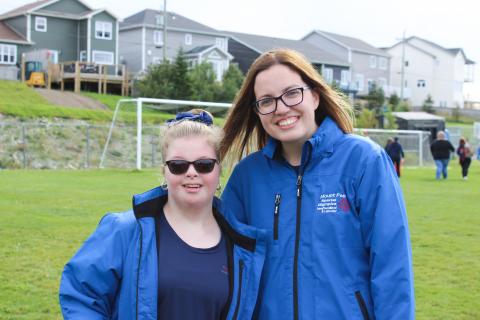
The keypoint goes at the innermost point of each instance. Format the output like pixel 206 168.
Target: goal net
pixel 137 145
pixel 415 144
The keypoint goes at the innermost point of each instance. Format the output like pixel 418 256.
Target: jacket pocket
pixel 362 305
pixel 276 215
pixel 239 291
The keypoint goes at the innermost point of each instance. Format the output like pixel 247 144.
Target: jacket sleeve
pixel 385 228
pixel 91 278
pixel 232 198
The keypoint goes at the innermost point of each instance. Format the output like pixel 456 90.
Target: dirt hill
pixel 70 99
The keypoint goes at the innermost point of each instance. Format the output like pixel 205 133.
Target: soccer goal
pixel 121 148
pixel 415 143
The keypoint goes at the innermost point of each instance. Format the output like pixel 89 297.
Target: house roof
pixel 7 34
pixel 38 6
pixel 262 44
pixel 174 21
pixel 451 51
pixel 351 43
pixel 23 9
pixel 200 50
pixel 417 116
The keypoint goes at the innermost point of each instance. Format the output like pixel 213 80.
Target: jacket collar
pixel 322 142
pixel 149 204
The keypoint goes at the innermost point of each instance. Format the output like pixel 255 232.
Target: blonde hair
pixel 188 128
pixel 243 130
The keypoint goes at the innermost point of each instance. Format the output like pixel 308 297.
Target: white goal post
pixel 153 104
pixel 415 143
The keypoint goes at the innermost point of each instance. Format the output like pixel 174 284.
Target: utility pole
pixel 402 84
pixel 164 30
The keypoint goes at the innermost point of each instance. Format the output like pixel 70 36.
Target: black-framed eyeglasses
pixel 200 165
pixel 289 98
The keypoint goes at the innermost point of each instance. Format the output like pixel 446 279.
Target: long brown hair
pixel 243 130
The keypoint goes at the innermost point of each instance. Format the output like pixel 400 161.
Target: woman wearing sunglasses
pixel 339 244
pixel 173 256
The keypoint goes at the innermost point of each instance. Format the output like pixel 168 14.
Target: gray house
pixel 368 64
pixel 57 31
pixel 142 41
pixel 245 48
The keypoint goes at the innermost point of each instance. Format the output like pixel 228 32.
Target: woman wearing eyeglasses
pixel 173 256
pixel 338 246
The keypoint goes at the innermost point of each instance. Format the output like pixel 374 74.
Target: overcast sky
pixel 451 24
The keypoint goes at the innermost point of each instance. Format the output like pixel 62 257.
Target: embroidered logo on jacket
pixel 333 203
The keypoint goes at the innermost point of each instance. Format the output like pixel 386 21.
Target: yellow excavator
pixel 34 74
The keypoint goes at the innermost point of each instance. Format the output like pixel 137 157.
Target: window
pixel 103 30
pixel 328 75
pixel 159 20
pixel 41 24
pixel 359 82
pixel 406 63
pixel 102 57
pixel 382 63
pixel 83 55
pixel 344 78
pixel 370 84
pixel 8 54
pixel 421 83
pixel 188 39
pixel 381 82
pixel 220 42
pixel 158 38
pixel 373 62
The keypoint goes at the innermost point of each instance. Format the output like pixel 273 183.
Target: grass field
pixel 45 216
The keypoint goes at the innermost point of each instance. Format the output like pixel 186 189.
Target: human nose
pixel 281 107
pixel 191 172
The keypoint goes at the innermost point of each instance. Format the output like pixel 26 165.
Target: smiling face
pixel 191 188
pixel 289 125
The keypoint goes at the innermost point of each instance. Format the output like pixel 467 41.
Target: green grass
pixel 46 215
pixel 19 100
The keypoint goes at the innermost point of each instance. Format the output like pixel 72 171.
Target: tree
pixel 393 101
pixel 157 82
pixel 204 86
pixel 366 119
pixel 180 78
pixel 232 81
pixel 427 105
pixel 375 99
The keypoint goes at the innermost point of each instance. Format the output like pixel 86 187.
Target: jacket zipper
pixel 138 269
pixel 240 276
pixel 276 213
pixel 297 243
pixel 362 305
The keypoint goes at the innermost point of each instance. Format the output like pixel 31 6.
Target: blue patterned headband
pixel 202 117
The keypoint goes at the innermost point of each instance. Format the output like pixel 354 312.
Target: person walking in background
pixel 441 149
pixel 395 151
pixel 465 154
pixel 174 256
pixel 338 245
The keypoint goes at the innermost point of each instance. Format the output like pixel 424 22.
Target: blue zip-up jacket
pixel 339 244
pixel 114 274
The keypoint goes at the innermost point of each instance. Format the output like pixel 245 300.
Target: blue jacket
pixel 114 274
pixel 339 244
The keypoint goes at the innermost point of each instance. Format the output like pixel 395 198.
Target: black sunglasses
pixel 200 165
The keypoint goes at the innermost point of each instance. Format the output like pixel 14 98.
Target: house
pixel 142 41
pixel 58 31
pixel 368 65
pixel 245 48
pixel 430 69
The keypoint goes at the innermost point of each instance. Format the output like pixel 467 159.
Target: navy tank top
pixel 193 283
